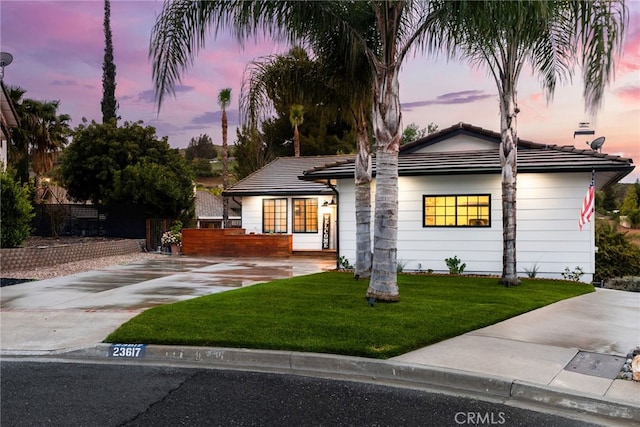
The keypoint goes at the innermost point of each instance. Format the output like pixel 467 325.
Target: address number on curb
pixel 127 350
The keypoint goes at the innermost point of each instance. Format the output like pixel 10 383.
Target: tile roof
pixel 280 177
pixel 210 206
pixel 532 157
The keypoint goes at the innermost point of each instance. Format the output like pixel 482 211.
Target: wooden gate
pixel 155 228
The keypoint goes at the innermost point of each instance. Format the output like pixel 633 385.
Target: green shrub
pixel 454 265
pixel 17 212
pixel 617 256
pixel 574 275
pixel 533 271
pixel 344 263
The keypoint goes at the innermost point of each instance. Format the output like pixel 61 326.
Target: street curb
pixel 559 397
pixel 375 371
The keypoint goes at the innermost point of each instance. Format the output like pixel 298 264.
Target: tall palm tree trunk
pixel 225 169
pixel 362 175
pixel 387 118
pixel 296 141
pixel 508 162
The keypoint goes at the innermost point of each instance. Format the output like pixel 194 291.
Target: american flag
pixel 587 206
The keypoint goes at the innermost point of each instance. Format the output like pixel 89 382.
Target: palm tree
pixel 551 37
pixel 41 135
pixel 183 27
pixel 352 92
pixel 276 82
pixel 401 27
pixel 296 117
pixel 224 99
pixel 18 151
pixel 342 88
pixel 48 134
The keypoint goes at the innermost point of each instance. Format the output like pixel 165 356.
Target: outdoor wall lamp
pixel 331 203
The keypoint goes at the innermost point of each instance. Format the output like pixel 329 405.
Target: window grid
pixel 305 215
pixel 471 210
pixel 274 215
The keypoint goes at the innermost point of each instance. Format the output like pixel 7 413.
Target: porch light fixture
pixel 331 203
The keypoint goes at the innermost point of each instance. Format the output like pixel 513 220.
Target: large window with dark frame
pixel 473 210
pixel 274 215
pixel 305 215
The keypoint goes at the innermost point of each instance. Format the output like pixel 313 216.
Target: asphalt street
pixel 549 357
pixel 80 394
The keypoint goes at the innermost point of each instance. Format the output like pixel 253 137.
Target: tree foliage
pixel 128 164
pixel 41 134
pixel 201 148
pixel 17 212
pixel 631 205
pixel 252 151
pixel 413 132
pixel 164 190
pixel 109 104
pixel 202 168
pixel 276 86
pixel 617 256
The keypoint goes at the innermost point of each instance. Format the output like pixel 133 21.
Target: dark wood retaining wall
pixel 234 242
pixel 30 258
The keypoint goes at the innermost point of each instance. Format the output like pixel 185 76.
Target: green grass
pixel 328 313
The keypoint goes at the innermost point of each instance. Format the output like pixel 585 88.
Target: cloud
pixel 629 94
pixel 451 98
pixel 215 117
pixel 64 83
pixel 630 58
pixel 148 96
pixel 536 97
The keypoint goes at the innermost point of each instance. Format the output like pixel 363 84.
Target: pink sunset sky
pixel 58 49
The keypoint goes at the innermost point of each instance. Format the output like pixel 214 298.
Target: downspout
pixel 337 194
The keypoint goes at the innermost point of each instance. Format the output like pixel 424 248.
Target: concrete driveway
pixel 75 311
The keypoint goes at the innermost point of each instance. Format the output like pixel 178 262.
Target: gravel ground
pixel 48 272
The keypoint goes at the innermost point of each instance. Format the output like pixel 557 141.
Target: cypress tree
pixel 109 104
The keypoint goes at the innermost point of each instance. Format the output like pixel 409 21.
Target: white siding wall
pixel 548 209
pixel 548 236
pixel 252 221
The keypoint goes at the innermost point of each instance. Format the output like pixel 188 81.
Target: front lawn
pixel 328 313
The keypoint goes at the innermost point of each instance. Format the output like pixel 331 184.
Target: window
pixel 457 211
pixel 274 215
pixel 305 215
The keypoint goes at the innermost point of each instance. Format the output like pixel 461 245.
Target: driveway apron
pixel 74 311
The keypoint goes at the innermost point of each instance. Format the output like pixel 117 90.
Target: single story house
pixel 274 200
pixel 449 203
pixel 209 209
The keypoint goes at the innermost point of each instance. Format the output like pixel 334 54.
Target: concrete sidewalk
pixel 563 355
pixel 578 344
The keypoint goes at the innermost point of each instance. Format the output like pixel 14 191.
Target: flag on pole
pixel 587 205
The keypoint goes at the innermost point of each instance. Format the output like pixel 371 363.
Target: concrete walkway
pixel 566 354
